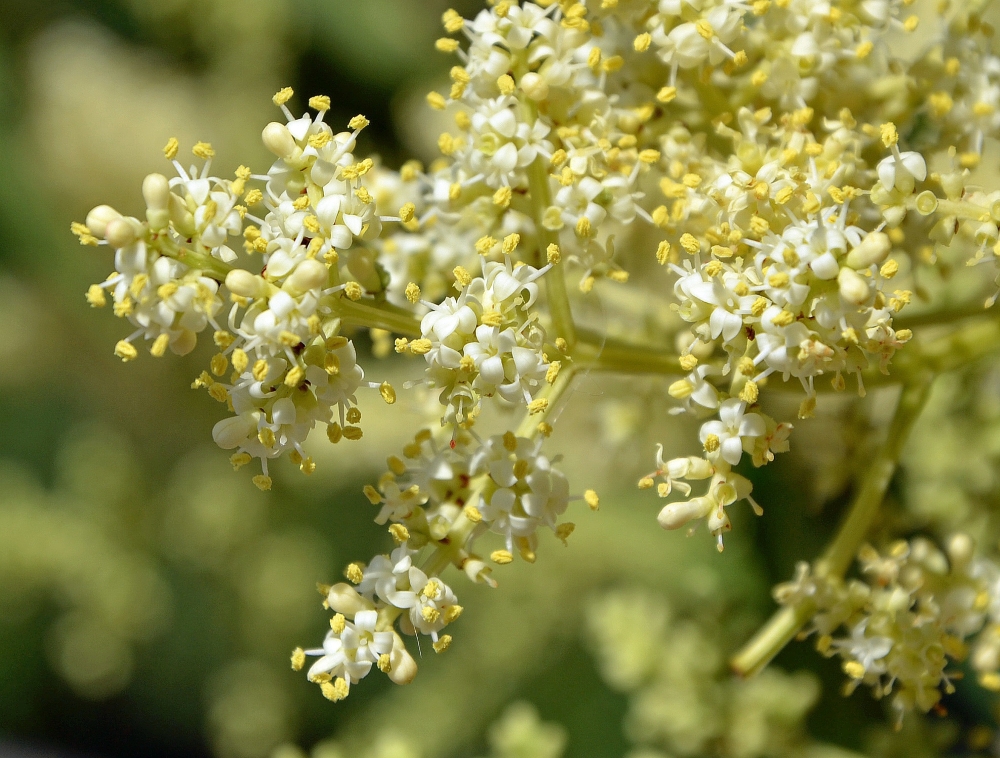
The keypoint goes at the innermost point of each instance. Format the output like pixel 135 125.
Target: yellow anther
pixel 353 291
pixel 510 243
pixel 412 292
pixel 355 572
pixel 502 197
pixel 473 514
pixel 538 405
pixel 583 227
pixel 544 428
pixel 159 346
pixel 784 195
pixel 353 433
pixel 564 530
pixel 452 612
pixel 446 45
pixel 283 95
pixel 592 500
pixel 749 393
pixel 612 64
pixel 889 269
pixel 505 84
pixel 399 533
pixel 319 102
pixel 96 296
pixel 778 279
pixel 509 442
pixel 666 94
pixel 421 346
pixel 689 243
pixel 384 663
pixel 641 43
pixel 705 29
pixel 854 669
pixel 298 659
pixel 353 415
pixel 646 483
pixel 218 364
pixel 502 557
pixel 126 351
pixel 171 148
pixel 711 443
pixel 649 156
pixel 406 212
pixel 688 362
pixel 889 134
pixel 387 392
pixel 203 150
pixel 594 57
pixel 453 22
pixel 864 49
pixel 372 494
pixel 911 23
pixel 443 643
pixel 552 371
pixel 436 101
pixel 462 277
pixel 262 482
pixel 784 318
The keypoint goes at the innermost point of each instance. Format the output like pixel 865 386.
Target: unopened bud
pixel 279 140
pixel 241 282
pixel 308 275
pixel 99 218
pixel 853 287
pixel 873 250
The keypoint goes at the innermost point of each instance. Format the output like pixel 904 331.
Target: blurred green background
pixel 149 597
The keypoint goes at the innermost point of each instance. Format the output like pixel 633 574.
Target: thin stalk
pixel 378 315
pixel 840 553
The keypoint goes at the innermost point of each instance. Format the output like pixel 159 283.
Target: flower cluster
pixel 908 620
pixel 740 193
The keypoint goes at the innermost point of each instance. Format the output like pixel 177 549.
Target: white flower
pixel 734 430
pixel 351 653
pixel 901 170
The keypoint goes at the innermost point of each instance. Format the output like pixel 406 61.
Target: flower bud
pixel 279 140
pixel 402 667
pixel 120 233
pixel 961 548
pixel 676 515
pixel 873 250
pixel 99 218
pixel 853 288
pixel 308 275
pixel 534 86
pixel 231 432
pixel 241 282
pixel 343 598
pixel 156 192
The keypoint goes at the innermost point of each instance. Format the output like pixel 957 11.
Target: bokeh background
pixel 149 596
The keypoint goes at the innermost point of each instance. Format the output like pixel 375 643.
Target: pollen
pixel 203 150
pixel 298 659
pixel 443 643
pixel 126 351
pixel 399 533
pixel 592 500
pixel 171 148
pixel 501 557
pixel 262 482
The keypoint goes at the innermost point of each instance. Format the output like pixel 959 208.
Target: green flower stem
pixel 840 553
pixel 555 284
pixel 378 315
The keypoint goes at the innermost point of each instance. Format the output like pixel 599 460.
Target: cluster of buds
pixel 908 620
